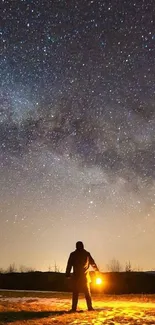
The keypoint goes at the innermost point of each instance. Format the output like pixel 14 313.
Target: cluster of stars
pixel 77 116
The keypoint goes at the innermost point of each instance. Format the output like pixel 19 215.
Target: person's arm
pixel 69 266
pixel 93 264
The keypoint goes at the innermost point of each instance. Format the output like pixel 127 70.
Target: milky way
pixel 77 131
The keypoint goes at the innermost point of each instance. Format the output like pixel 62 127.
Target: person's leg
pixel 88 296
pixel 75 295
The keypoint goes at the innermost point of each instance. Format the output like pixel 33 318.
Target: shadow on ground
pixel 13 316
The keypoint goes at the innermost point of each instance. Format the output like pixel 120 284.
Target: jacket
pixel 80 261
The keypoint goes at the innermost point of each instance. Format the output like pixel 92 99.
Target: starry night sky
pixel 77 131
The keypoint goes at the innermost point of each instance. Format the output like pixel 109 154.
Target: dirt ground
pixel 32 308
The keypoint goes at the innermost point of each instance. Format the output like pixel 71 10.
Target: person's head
pixel 79 245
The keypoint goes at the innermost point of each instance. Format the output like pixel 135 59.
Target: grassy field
pixel 46 308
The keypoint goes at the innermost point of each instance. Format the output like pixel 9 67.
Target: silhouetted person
pixel 80 260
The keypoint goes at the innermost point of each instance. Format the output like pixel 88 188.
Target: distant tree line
pixel 113 282
pixel 114 265
pixel 12 268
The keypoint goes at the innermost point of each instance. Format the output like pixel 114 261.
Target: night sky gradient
pixel 77 131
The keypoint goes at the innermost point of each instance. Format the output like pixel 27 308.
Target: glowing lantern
pixel 98 281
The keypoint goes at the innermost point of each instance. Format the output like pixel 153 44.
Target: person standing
pixel 80 260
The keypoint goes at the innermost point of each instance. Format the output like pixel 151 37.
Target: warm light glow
pixel 98 281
